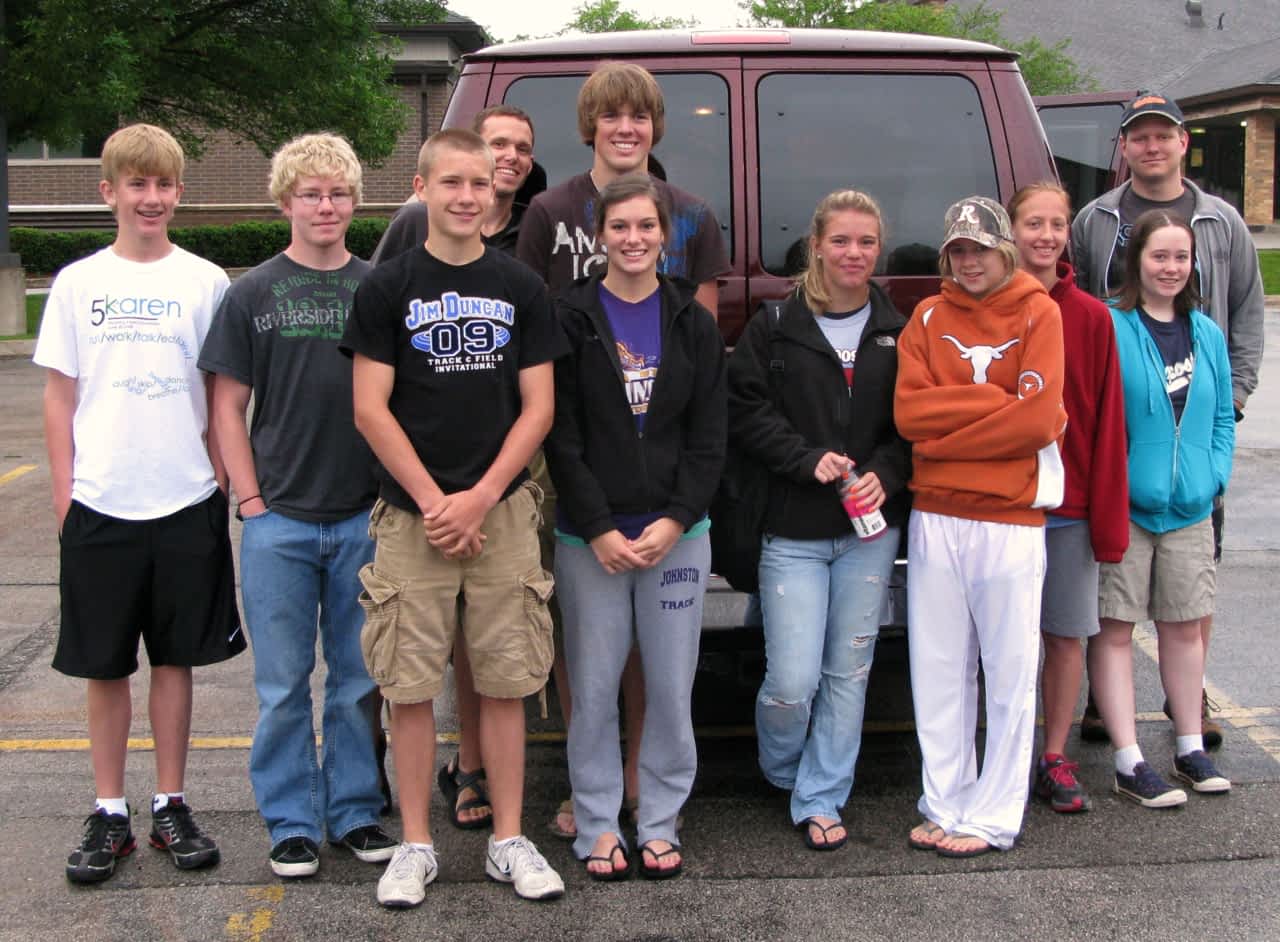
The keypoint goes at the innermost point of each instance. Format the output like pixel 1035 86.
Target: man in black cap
pixel 1153 141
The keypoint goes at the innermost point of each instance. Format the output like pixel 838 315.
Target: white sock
pixel 1185 745
pixel 112 805
pixel 505 841
pixel 1127 759
pixel 430 847
pixel 162 798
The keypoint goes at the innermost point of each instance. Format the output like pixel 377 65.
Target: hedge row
pixel 240 245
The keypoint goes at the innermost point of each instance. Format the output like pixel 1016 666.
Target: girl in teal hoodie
pixel 1181 432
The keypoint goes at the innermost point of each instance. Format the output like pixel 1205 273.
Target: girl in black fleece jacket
pixel 812 398
pixel 635 455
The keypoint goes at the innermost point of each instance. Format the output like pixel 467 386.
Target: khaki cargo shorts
pixel 1163 576
pixel 410 597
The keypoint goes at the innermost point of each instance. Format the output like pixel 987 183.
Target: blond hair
pixel 1007 250
pixel 314 155
pixel 143 149
pixel 458 139
pixel 810 282
pixel 614 85
pixel 1030 190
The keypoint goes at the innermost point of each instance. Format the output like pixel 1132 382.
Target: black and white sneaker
pixel 1198 771
pixel 369 843
pixel 107 838
pixel 295 857
pixel 175 830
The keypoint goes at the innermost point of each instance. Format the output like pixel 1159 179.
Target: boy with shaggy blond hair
pixel 138 493
pixel 303 480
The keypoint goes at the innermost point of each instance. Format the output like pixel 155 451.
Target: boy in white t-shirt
pixel 139 502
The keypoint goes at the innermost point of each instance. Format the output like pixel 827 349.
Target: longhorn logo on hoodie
pixel 981 355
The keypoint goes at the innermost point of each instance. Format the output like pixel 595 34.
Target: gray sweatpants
pixel 661 609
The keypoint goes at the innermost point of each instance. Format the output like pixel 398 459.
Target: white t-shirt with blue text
pixel 130 334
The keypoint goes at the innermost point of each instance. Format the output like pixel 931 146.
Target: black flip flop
pixel 613 874
pixel 827 843
pixel 657 873
pixel 453 781
pixel 962 854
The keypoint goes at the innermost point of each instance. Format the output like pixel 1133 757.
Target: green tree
pixel 608 16
pixel 1047 69
pixel 263 69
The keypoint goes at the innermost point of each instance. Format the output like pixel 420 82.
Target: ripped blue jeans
pixel 822 603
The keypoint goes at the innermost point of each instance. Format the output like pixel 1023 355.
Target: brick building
pixel 230 181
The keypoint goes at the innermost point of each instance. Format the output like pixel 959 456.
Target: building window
pixel 88 147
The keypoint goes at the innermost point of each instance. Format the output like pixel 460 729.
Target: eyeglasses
pixel 313 198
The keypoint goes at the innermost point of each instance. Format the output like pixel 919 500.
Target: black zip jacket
pixel 818 412
pixel 600 463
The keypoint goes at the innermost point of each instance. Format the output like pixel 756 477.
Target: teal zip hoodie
pixel 1175 469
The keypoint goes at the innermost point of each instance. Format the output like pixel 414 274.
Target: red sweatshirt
pixel 979 394
pixel 1094 448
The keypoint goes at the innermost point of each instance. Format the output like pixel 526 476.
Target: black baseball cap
pixel 1151 103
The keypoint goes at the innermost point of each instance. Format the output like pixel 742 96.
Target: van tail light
pixel 741 37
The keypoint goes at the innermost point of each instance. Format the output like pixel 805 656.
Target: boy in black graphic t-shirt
pixel 453 344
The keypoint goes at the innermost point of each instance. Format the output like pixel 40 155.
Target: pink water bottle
pixel 867 524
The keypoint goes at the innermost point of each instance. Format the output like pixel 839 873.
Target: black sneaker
pixel 107 838
pixel 1197 770
pixel 1147 788
pixel 173 829
pixel 295 857
pixel 369 843
pixel 1092 729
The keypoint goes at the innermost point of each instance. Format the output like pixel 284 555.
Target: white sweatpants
pixel 973 593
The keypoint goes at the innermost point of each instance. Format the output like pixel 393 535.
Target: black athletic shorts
pixel 168 581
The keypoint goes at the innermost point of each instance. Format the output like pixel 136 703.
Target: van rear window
pixel 693 153
pixel 1083 141
pixel 917 143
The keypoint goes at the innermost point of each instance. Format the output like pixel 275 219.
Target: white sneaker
pixel 404 882
pixel 518 862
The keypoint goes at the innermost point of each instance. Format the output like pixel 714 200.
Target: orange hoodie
pixel 979 395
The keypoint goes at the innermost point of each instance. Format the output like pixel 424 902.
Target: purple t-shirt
pixel 637 331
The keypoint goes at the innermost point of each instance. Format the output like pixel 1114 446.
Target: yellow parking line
pixel 16 473
pixel 253 926
pixel 1250 720
pixel 1235 716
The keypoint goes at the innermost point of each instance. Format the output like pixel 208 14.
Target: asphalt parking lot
pixel 1209 870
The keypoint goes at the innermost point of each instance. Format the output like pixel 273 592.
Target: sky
pixel 505 19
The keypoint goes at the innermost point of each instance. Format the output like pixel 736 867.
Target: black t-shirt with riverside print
pixel 458 336
pixel 277 331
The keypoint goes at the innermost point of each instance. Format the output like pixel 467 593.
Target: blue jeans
pixel 822 601
pixel 295 575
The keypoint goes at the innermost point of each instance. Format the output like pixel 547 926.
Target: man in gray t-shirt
pixel 304 484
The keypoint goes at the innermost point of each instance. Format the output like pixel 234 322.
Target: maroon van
pixel 761 123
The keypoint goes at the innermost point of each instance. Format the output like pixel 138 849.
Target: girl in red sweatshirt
pixel 1091 526
pixel 979 394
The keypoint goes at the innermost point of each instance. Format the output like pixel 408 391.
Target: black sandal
pixel 658 873
pixel 613 874
pixel 453 782
pixel 827 843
